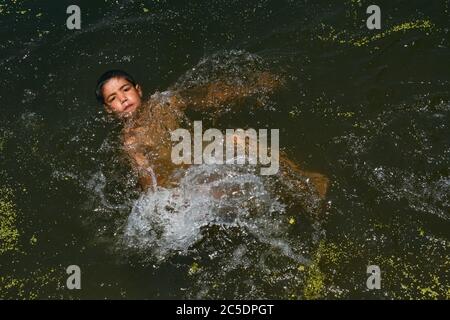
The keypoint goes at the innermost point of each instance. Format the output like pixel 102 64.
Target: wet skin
pixel 121 97
pixel 147 127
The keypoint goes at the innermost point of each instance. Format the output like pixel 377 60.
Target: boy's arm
pixel 219 92
pixel 319 181
pixel 150 154
pixel 139 161
pixel 145 179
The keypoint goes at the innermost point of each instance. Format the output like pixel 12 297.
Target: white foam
pixel 168 220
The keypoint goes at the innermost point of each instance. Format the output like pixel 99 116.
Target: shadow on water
pixel 369 110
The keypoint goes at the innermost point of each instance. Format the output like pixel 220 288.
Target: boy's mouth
pixel 128 106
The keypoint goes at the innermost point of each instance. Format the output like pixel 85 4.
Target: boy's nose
pixel 122 98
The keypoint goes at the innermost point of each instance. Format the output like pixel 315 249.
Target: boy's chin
pixel 127 114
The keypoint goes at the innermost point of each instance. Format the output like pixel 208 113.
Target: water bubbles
pixel 28 96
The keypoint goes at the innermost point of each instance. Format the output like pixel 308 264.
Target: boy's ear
pixel 139 90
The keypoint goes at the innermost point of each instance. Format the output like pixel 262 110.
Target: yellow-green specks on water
pixel 315 284
pixel 195 268
pixel 346 114
pixel 424 25
pixel 33 240
pixel 9 234
pixel 421 232
pixel 314 288
pixel 12 286
pixel 403 275
pixel 32 286
pixel 343 37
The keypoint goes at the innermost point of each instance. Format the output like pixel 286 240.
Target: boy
pixel 147 125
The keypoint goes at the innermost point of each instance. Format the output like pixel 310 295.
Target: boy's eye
pixel 126 88
pixel 111 99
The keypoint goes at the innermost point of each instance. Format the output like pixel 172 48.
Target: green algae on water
pixel 343 37
pixel 9 234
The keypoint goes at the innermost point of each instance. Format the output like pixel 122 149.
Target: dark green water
pixel 370 109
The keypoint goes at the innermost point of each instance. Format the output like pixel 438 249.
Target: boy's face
pixel 121 97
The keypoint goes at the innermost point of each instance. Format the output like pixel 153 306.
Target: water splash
pixel 231 66
pixel 153 176
pixel 170 220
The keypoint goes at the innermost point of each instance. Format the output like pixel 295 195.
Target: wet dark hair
pixel 104 78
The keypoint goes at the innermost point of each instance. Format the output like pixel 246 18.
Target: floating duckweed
pixel 315 284
pixel 346 114
pixel 419 25
pixel 412 282
pixel 403 276
pixel 335 36
pixel 13 7
pixel 28 288
pixel 195 268
pixel 8 283
pixel 315 287
pixel 421 232
pixel 428 292
pixel 9 235
pixel 33 240
pixel 292 113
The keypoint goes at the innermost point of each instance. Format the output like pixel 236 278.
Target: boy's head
pixel 119 93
